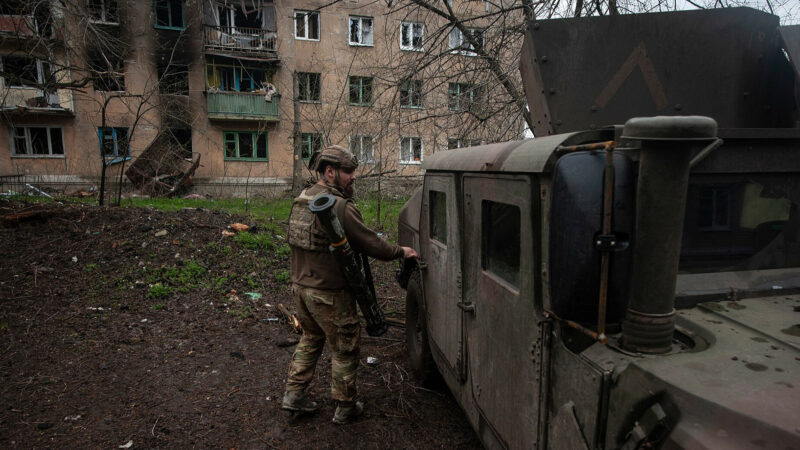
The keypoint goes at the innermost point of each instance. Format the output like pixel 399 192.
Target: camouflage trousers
pixel 331 316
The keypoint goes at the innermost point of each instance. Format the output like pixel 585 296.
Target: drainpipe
pixel 667 147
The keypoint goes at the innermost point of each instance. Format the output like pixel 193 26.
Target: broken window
pixel 361 91
pixel 237 78
pixel 169 14
pixel 306 25
pixel 114 143
pixel 715 208
pixel 25 71
pixel 500 232
pixel 311 142
pixel 361 31
pixel 411 34
pixel 103 11
pixel 361 147
pixel 108 71
pixel 460 44
pixel 411 94
pixel 309 85
pixel 246 145
pixel 173 79
pixel 36 141
pixel 410 150
pixel 182 139
pixel 438 216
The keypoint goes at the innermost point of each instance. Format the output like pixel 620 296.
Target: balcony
pixel 224 105
pixel 240 41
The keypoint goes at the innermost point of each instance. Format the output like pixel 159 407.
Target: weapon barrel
pixel 322 206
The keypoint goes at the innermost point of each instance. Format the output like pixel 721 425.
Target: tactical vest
pixel 304 231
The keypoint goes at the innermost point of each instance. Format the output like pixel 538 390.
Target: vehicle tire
pixel 419 352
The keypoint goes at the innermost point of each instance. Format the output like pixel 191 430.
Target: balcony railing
pixel 239 40
pixel 242 106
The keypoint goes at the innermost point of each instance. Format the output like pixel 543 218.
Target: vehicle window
pixel 438 216
pixel 746 224
pixel 500 229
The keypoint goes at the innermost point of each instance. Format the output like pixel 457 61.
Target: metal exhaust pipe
pixel 667 147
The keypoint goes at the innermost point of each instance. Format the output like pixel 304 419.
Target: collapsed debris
pixel 164 168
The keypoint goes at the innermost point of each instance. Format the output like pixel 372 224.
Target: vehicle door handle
pixel 466 307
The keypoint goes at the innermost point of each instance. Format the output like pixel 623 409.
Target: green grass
pixel 257 241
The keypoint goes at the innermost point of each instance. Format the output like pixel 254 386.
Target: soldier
pixel 325 307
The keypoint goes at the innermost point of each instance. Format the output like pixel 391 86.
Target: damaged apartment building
pixel 160 95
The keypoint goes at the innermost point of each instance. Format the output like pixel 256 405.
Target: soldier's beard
pixel 348 190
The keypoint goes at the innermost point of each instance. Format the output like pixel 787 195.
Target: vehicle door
pixel 440 246
pixel 500 283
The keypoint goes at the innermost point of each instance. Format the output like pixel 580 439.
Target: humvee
pixel 625 286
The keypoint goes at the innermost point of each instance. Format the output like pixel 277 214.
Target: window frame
pixel 307 142
pixel 459 142
pixel 361 90
pixel 464 47
pixel 306 15
pixel 169 12
pixel 360 138
pixel 300 95
pixel 411 104
pixel 12 137
pixel 215 71
pixel 465 91
pixel 359 42
pixel 410 27
pixel 115 157
pixel 489 252
pixel 254 135
pixel 410 140
pixel 41 73
pixel 437 216
pixel 104 12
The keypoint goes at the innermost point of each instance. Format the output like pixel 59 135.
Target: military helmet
pixel 337 156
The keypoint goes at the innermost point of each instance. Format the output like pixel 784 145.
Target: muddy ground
pixel 132 326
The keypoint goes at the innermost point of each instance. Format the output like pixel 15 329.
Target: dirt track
pixel 111 332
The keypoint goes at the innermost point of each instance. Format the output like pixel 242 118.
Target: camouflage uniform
pixel 330 315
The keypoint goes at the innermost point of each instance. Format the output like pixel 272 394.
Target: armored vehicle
pixel 623 286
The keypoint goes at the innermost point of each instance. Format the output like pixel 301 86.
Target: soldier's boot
pixel 298 401
pixel 346 413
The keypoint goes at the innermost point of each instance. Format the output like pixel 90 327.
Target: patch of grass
pixel 241 312
pixel 258 241
pixel 157 306
pixel 282 276
pixel 283 251
pixel 159 290
pixel 91 267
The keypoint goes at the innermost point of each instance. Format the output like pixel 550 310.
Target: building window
pixel 463 97
pixel 411 36
pixel 104 11
pixel 243 20
pixel 36 141
pixel 236 78
pixel 411 94
pixel 361 147
pixel 108 71
pixel 169 14
pixel 245 145
pixel 410 150
pixel 461 45
pixel 438 216
pixel 173 79
pixel 361 91
pixel 361 31
pixel 309 86
pixel 453 143
pixel 24 71
pixel 500 232
pixel 311 142
pixel 114 143
pixel 306 25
